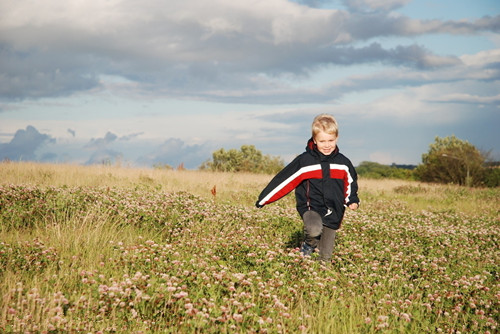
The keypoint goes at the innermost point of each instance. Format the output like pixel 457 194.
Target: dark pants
pixel 317 236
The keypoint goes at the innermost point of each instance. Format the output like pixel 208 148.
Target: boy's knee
pixel 313 224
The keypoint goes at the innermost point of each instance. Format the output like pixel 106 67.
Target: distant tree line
pixel 374 170
pixel 449 160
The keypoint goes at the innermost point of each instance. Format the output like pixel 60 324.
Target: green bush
pixel 247 159
pixel 492 177
pixel 451 160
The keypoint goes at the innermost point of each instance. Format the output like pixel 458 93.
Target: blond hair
pixel 326 123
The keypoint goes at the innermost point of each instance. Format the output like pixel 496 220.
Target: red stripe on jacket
pixel 291 183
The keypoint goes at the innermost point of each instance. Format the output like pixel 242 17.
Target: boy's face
pixel 326 143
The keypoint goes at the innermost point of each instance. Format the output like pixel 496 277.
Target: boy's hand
pixel 353 206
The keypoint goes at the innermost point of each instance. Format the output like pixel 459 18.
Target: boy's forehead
pixel 323 134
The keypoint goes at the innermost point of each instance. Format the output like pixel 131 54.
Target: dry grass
pixel 242 188
pixel 421 196
pixel 229 186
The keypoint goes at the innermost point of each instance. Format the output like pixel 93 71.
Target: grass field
pixel 107 249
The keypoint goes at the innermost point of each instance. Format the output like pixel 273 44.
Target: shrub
pixel 451 160
pixel 247 159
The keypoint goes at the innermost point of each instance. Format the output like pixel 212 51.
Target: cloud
pixel 222 51
pixel 362 27
pixel 100 143
pixel 175 152
pixel 105 157
pixel 24 144
pixel 469 99
pixel 131 136
pixel 36 73
pixel 102 153
pixel 313 3
pixel 374 5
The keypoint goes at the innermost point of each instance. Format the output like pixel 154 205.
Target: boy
pixel 325 182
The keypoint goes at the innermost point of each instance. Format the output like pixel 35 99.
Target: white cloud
pixel 468 98
pixel 482 58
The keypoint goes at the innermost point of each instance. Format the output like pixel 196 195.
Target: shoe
pixel 306 249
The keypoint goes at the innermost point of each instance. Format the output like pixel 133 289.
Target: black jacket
pixel 325 184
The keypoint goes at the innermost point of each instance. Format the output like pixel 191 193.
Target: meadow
pixel 100 249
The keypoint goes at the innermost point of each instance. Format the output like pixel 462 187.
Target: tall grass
pixel 229 186
pixel 107 249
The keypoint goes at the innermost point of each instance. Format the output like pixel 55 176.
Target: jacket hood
pixel 313 149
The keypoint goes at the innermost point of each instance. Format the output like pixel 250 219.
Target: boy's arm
pixel 284 182
pixel 278 186
pixel 353 200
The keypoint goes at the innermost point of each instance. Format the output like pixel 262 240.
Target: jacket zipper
pixel 308 198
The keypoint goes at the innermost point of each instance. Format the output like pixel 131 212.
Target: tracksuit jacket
pixel 325 184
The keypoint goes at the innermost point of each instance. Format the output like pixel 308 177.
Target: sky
pixel 153 82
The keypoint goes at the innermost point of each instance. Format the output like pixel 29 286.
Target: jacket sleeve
pixel 286 181
pixel 352 193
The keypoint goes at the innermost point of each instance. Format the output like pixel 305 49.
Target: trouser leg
pixel 313 227
pixel 326 244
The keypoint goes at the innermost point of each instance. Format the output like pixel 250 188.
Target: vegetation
pixel 492 177
pixel 451 160
pixel 374 170
pixel 122 250
pixel 247 159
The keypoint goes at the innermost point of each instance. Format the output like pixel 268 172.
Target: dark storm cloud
pixel 24 144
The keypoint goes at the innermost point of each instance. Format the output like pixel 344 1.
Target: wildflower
pixel 239 276
pixel 405 317
pixel 238 317
pixel 181 294
pixel 382 318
